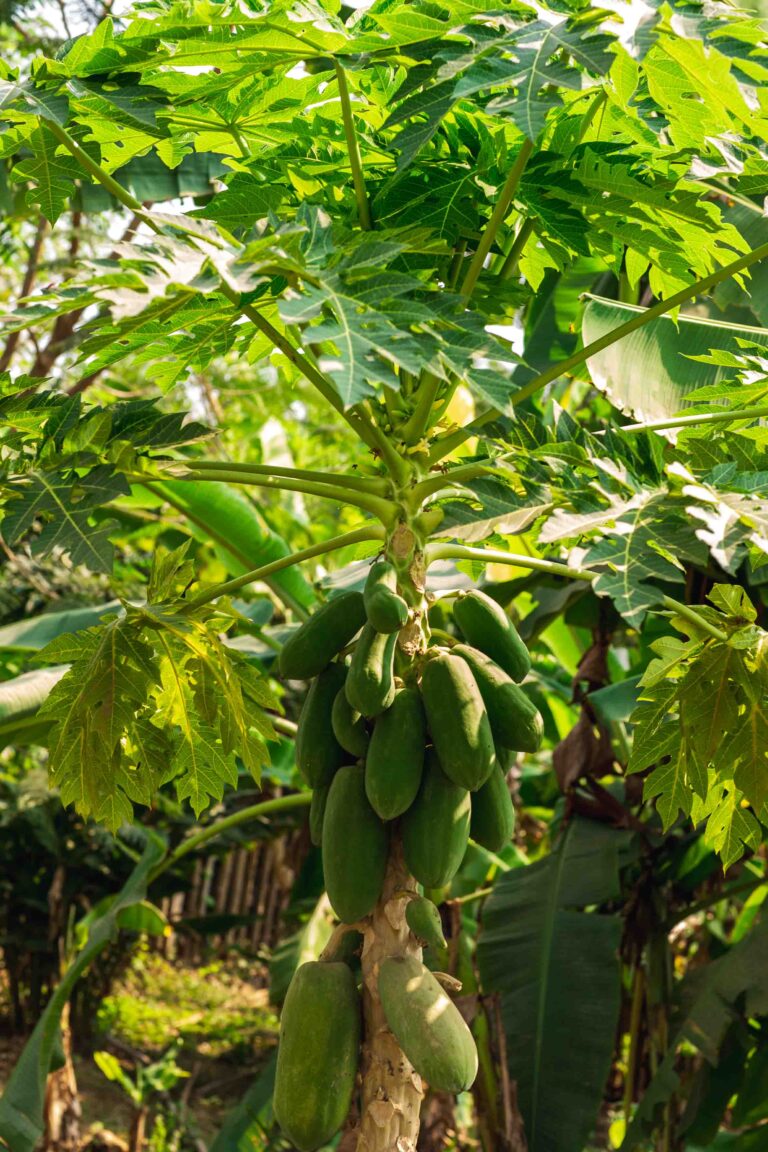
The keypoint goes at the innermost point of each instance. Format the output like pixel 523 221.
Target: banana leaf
pixel 21 1107
pixel 648 373
pixel 556 968
pixel 242 537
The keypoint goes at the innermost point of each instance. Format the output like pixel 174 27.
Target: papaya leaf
pixel 701 726
pixel 151 696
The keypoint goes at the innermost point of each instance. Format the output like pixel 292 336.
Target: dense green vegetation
pixel 384 456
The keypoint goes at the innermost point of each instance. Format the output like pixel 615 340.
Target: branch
pixel 384 510
pixel 26 287
pixel 493 556
pixel 355 161
pixel 448 441
pixel 254 812
pixel 497 218
pixel 358 536
pixel 727 417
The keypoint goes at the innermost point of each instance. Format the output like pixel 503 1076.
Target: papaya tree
pixel 413 208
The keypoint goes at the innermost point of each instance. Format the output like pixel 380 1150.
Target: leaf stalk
pixel 357 536
pixel 497 217
pixel 355 160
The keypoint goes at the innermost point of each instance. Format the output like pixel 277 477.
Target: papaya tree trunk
pixel 391 1089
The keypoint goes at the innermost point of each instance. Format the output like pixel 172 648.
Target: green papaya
pixel 317 1054
pixel 317 813
pixel 318 752
pixel 427 1024
pixel 493 814
pixel 312 646
pixel 385 608
pixel 370 683
pixel 435 829
pixel 395 757
pixel 355 846
pixel 349 726
pixel 423 919
pixel 458 721
pixel 485 625
pixel 515 721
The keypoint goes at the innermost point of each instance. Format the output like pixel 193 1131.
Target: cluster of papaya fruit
pixel 376 745
pixel 380 739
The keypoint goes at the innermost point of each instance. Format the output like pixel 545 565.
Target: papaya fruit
pixel 355 846
pixel 317 1054
pixel 427 1024
pixel 318 752
pixel 385 608
pixel 485 625
pixel 317 813
pixel 349 726
pixel 493 814
pixel 395 757
pixel 515 721
pixel 435 829
pixel 423 919
pixel 312 646
pixel 370 683
pixel 457 720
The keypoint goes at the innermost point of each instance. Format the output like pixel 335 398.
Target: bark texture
pixel 391 1089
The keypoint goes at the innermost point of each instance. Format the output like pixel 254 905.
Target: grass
pixel 216 1011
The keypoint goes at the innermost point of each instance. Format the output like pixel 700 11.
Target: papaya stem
pixel 383 509
pixel 353 148
pixel 372 485
pixel 358 536
pixel 497 217
pixel 391 1088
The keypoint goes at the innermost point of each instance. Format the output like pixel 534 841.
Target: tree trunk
pixel 61 1110
pixel 391 1090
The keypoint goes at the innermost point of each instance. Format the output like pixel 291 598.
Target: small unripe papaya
pixel 385 608
pixel 485 625
pixel 493 814
pixel 349 726
pixel 355 847
pixel 312 646
pixel 318 1054
pixel 435 829
pixel 370 683
pixel 395 757
pixel 515 720
pixel 458 721
pixel 423 919
pixel 427 1024
pixel 318 752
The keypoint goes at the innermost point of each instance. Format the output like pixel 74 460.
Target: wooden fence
pixel 254 882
